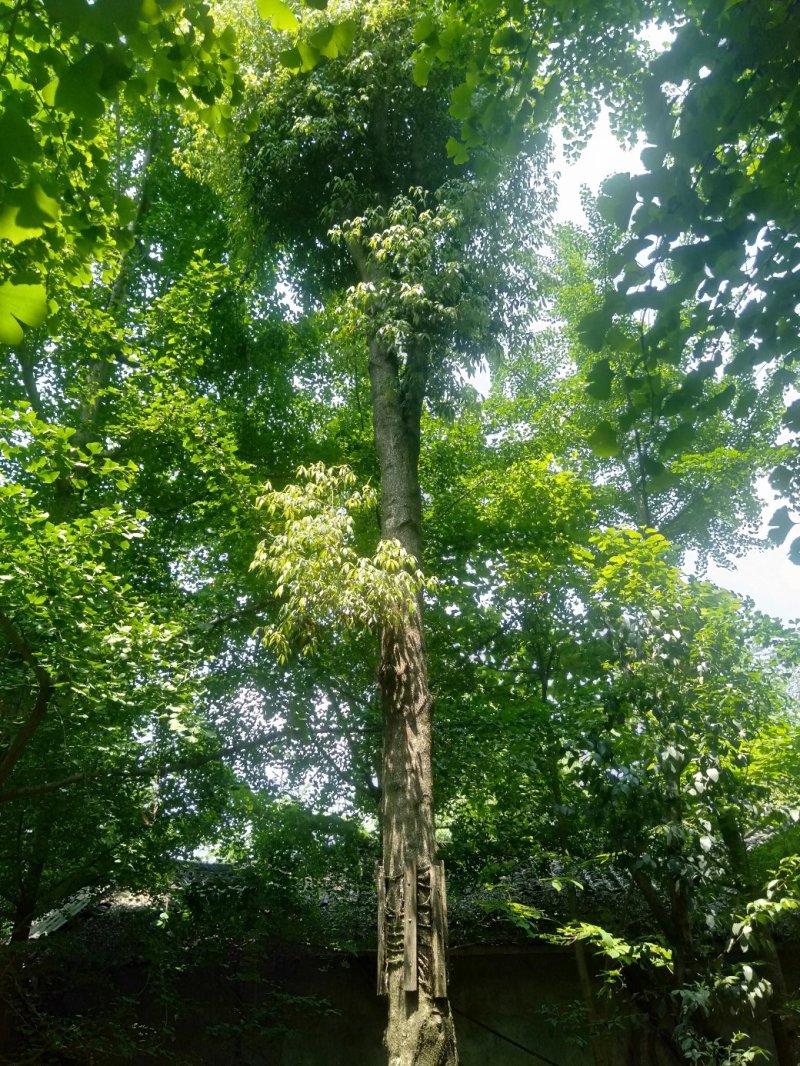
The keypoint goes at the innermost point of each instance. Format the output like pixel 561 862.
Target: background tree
pixel 712 250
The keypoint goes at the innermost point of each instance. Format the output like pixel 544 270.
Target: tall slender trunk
pixel 412 923
pixel 547 658
pixel 31 881
pixel 597 1045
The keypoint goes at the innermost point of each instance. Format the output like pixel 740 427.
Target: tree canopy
pixel 280 588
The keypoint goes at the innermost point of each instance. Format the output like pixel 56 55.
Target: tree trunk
pixel 597 1044
pixel 12 991
pixel 412 935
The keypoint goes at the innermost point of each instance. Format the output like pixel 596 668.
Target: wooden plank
pixel 438 960
pixel 410 926
pixel 381 885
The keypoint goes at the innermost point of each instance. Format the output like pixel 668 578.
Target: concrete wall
pixel 521 995
pixel 513 1006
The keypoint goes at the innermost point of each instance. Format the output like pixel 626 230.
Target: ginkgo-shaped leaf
pixel 599 380
pixel 424 29
pixel 422 68
pixel 279 14
pixel 26 212
pixel 20 304
pixel 779 525
pixel 461 106
pixel 457 151
pixel 333 40
pixel 604 441
pixel 10 228
pixel 617 200
pixel 593 327
pixel 78 88
pixel 679 439
pixel 18 137
pixel 302 58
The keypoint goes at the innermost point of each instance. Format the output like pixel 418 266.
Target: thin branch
pixel 141 208
pixel 14 16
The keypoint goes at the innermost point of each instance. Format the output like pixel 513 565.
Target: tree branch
pixel 31 387
pixel 152 769
pixel 149 769
pixel 27 730
pixel 657 908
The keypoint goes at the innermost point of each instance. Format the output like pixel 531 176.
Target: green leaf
pixel 604 441
pixel 302 58
pixel 67 13
pixel 779 525
pixel 26 212
pixel 46 206
pixel 20 304
pixel 309 56
pixel 791 417
pixel 652 157
pixel 423 29
pixel 678 439
pixel 17 137
pixel 279 14
pixel 291 59
pixel 114 72
pixel 509 39
pixel 600 378
pixel 677 402
pixel 616 200
pixel 78 89
pixel 657 475
pixel 592 329
pixel 457 151
pixel 461 102
pixel 620 341
pixel 10 228
pixel 421 70
pixel 719 401
pixel 335 39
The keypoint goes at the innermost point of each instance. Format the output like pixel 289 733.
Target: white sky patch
pixel 658 35
pixel 767 577
pixel 603 155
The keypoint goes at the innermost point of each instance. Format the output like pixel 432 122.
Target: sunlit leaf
pixel 604 442
pixel 20 304
pixel 279 14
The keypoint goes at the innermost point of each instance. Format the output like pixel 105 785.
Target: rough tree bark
pixel 420 1029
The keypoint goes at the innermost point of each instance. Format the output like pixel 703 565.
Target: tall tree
pixel 378 236
pixel 711 260
pixel 333 154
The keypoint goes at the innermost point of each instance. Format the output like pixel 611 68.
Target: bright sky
pixel 767 576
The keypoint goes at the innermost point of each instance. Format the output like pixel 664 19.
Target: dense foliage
pixel 217 229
